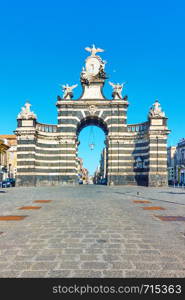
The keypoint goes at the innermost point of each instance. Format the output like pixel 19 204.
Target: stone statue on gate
pixel 26 113
pixel 117 90
pixel 94 50
pixel 68 91
pixel 156 111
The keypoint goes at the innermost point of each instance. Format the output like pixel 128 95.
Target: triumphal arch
pixel 136 153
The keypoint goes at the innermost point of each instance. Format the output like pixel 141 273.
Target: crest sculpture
pixel 135 153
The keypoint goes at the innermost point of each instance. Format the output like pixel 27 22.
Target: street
pixel 92 231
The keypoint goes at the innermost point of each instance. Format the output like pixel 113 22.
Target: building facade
pixel 83 174
pixel 3 159
pixel 171 162
pixel 100 175
pixel 136 153
pixel 178 163
pixel 11 154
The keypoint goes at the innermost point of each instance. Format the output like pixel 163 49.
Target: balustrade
pixel 46 127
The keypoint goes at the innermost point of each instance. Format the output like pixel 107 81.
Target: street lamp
pixel 9 170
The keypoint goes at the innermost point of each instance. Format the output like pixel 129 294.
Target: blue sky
pixel 42 46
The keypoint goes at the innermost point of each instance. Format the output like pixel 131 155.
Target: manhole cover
pixel 101 241
pixel 153 208
pixel 12 218
pixel 171 218
pixel 30 207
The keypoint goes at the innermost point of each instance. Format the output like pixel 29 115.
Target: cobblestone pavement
pixel 92 231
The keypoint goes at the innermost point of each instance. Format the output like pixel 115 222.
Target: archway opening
pixel 92 151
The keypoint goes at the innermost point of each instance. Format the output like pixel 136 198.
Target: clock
pixel 92 66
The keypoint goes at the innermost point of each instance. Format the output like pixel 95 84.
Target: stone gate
pixel 136 153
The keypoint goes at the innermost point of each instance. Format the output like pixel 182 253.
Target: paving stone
pixel 152 252
pixel 94 265
pixel 121 265
pixel 66 239
pixel 169 274
pixel 89 257
pixel 113 274
pixel 111 258
pixel 147 266
pixel 43 265
pixel 113 251
pixel 9 274
pixel 55 251
pixel 173 266
pixel 68 257
pixel 23 258
pixel 138 274
pixel 59 274
pixel 45 257
pixel 68 265
pixel 20 265
pixel 144 246
pixel 73 251
pixel 93 251
pixel 33 274
pixel 87 274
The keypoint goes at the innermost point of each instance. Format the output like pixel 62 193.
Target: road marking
pixel 153 208
pixel 142 201
pixel 42 201
pixel 171 218
pixel 30 207
pixel 12 218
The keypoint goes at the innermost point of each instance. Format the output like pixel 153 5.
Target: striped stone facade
pixel 137 153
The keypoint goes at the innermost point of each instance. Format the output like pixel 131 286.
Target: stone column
pixel 157 134
pixel 26 137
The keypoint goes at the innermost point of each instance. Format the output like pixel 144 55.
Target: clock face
pixel 93 66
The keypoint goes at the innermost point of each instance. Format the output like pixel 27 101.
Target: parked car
pixel 8 182
pixel 103 181
pixel 12 181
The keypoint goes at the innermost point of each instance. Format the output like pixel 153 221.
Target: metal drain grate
pixel 171 218
pixel 153 208
pixel 42 201
pixel 12 218
pixel 142 201
pixel 30 207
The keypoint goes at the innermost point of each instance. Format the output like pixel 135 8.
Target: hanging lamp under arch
pixel 91 120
